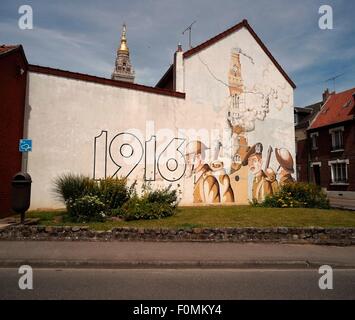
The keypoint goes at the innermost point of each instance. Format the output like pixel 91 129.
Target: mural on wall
pixel 211 183
pixel 264 180
pixel 219 172
pixel 245 108
pixel 285 170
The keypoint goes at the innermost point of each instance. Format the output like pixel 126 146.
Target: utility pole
pixel 189 29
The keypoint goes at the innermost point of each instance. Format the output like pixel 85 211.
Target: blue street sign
pixel 25 145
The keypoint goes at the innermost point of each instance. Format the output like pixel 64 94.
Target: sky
pixel 83 36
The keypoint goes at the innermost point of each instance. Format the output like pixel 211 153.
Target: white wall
pixel 206 79
pixel 66 114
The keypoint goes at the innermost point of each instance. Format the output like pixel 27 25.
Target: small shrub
pixel 155 204
pixel 113 192
pixel 90 200
pixel 297 195
pixel 71 186
pixel 162 196
pixel 86 208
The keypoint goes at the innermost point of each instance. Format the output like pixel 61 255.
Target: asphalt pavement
pixel 174 270
pixel 177 284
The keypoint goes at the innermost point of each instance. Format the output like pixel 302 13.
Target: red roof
pixel 229 31
pixel 5 48
pixel 339 107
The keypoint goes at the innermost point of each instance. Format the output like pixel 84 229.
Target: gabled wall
pixel 201 143
pixel 207 78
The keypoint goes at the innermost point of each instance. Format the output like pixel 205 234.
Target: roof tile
pixel 339 107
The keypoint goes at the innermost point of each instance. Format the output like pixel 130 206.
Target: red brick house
pixel 303 118
pixel 13 81
pixel 329 147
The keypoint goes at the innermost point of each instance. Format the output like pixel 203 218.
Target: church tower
pixel 123 69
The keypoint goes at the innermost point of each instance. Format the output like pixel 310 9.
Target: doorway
pixel 316 174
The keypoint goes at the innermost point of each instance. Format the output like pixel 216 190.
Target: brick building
pixel 303 118
pixel 325 152
pixel 13 75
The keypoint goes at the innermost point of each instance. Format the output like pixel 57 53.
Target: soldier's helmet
pixel 284 158
pixel 195 147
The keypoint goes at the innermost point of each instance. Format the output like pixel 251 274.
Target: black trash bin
pixel 21 193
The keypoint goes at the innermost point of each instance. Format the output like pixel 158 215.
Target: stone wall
pixel 312 235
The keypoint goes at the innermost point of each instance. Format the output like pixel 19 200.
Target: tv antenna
pixel 189 29
pixel 333 79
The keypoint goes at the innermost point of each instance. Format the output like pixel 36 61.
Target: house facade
pixel 303 118
pixel 332 139
pixel 325 145
pixel 217 126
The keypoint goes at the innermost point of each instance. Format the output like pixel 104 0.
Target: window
pixel 314 136
pixel 339 171
pixel 337 138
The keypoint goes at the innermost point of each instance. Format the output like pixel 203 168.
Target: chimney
pixel 326 94
pixel 178 80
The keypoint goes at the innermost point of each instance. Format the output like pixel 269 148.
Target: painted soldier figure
pixel 262 185
pixel 225 189
pixel 206 188
pixel 284 158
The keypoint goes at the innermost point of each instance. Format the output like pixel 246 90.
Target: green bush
pixel 155 204
pixel 298 194
pixel 113 192
pixel 90 200
pixel 72 186
pixel 86 208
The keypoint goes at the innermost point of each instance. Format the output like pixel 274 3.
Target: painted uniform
pixel 261 187
pixel 271 177
pixel 206 188
pixel 286 179
pixel 226 192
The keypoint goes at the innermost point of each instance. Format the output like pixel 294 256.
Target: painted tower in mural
pixel 239 174
pixel 123 68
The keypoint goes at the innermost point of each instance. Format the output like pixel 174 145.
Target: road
pixel 177 284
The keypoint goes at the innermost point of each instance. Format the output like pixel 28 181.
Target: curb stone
pixel 310 235
pixel 161 264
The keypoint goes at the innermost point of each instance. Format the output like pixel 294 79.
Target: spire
pixel 123 46
pixel 123 69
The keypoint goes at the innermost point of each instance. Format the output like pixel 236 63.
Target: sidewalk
pixel 171 255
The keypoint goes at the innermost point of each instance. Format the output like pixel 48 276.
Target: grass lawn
pixel 221 216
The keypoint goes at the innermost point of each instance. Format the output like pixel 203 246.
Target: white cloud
pixel 83 35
